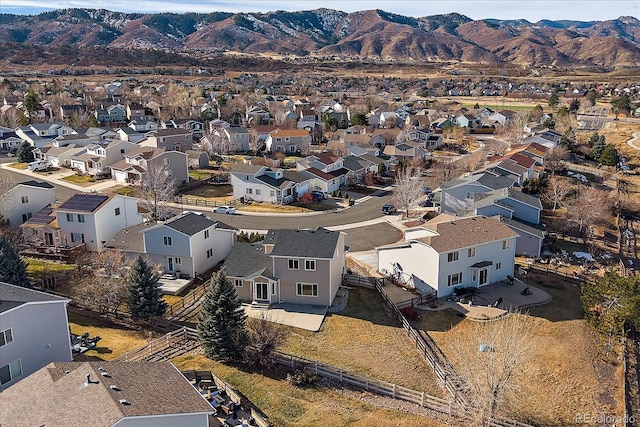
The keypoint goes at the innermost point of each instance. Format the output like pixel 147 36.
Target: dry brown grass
pixel 363 338
pixel 115 341
pixel 565 375
pixel 291 406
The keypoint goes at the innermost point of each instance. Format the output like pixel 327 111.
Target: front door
pixel 48 239
pixel 484 275
pixel 262 292
pixel 170 264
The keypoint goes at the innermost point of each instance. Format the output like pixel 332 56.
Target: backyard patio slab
pixel 486 296
pixel 309 317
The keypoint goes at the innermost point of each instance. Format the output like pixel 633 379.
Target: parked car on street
pixel 388 209
pixel 229 210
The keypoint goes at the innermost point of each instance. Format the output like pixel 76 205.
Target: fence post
pixel 394 391
pixel 316 367
pixel 291 357
pixel 340 375
pixel 422 398
pixel 126 356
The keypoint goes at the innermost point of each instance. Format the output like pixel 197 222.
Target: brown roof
pixel 57 395
pixel 464 232
pixel 290 132
pixel 319 174
pixel 522 160
pixel 327 158
pixel 169 132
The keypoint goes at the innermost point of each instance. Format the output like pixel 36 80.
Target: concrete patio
pixel 486 296
pixel 309 317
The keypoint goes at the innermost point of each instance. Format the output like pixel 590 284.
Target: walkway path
pixel 633 141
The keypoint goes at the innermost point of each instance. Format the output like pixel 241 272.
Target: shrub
pixel 306 198
pixel 301 377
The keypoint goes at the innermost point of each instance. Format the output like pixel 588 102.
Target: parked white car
pixel 229 210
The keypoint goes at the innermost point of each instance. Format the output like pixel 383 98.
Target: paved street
pixel 365 226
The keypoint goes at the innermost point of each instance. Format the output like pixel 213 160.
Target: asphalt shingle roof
pixel 317 243
pixel 37 184
pixel 247 259
pixel 189 223
pixel 13 296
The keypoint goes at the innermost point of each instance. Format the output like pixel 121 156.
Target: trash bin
pixel 352 202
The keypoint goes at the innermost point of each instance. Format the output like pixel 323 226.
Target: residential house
pixel 458 194
pixel 67 111
pixel 9 140
pixel 34 331
pixel 24 200
pixel 264 184
pixel 448 252
pixel 93 219
pixel 41 134
pixel 257 115
pixel 128 134
pixel 136 111
pixel 195 126
pixel 407 150
pixel 187 244
pixel 467 121
pixel 112 114
pixel 357 167
pixel 508 168
pixel 326 171
pixel 289 267
pixel 382 137
pixel 389 119
pixel 143 125
pixel 417 121
pixel 549 139
pixel 169 139
pixel 106 394
pixel 133 168
pixel 292 141
pixel 418 135
pixel 96 159
pixel 503 117
pixel 197 159
pixel 434 142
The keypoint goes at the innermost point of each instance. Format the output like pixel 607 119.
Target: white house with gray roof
pixel 187 244
pixel 265 184
pixel 289 266
pixel 24 200
pixel 449 252
pixel 459 194
pixel 34 331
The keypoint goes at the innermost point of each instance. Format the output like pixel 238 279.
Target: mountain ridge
pixel 327 32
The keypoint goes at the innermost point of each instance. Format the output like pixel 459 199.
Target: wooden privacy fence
pixel 166 347
pixel 185 308
pixel 446 407
pixel 445 372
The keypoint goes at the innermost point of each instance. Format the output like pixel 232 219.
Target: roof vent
pixel 114 388
pixel 124 402
pixel 101 369
pixel 105 374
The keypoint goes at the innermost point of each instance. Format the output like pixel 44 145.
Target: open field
pixel 291 406
pixel 364 338
pixel 115 341
pixel 565 375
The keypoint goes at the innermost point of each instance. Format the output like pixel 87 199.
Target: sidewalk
pixel 56 178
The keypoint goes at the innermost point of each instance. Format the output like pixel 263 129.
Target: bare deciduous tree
pixel 264 338
pixel 158 190
pixel 555 159
pixel 104 282
pixel 588 207
pixel 408 189
pixel 556 191
pixel 445 170
pixel 489 357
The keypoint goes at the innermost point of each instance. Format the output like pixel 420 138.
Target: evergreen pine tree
pixel 13 269
pixel 25 153
pixel 143 295
pixel 221 323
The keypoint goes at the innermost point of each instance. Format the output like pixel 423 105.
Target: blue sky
pixel 532 10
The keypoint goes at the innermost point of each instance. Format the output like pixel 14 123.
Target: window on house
pixel 469 195
pixel 310 264
pixel 166 161
pixel 249 190
pixel 293 264
pixel 454 279
pixel 506 244
pixel 474 276
pixel 69 217
pixel 238 283
pixel 257 191
pixel 206 234
pixel 168 241
pixel 77 237
pixel 453 256
pixel 25 217
pixel 307 289
pixel 117 210
pixel 471 252
pixel 25 199
pixel 278 139
pixel 11 371
pixel 122 151
pixel 272 193
pixel 273 289
pixel 498 265
pixel 80 218
pixel 6 337
pixel 177 261
pixel 209 253
pixel 292 148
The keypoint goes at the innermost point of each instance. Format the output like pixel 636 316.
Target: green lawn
pixel 125 191
pixel 199 174
pixel 79 179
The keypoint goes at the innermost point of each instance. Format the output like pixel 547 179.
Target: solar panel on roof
pixel 84 202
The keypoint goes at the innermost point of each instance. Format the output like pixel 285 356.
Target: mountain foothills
pixel 371 34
